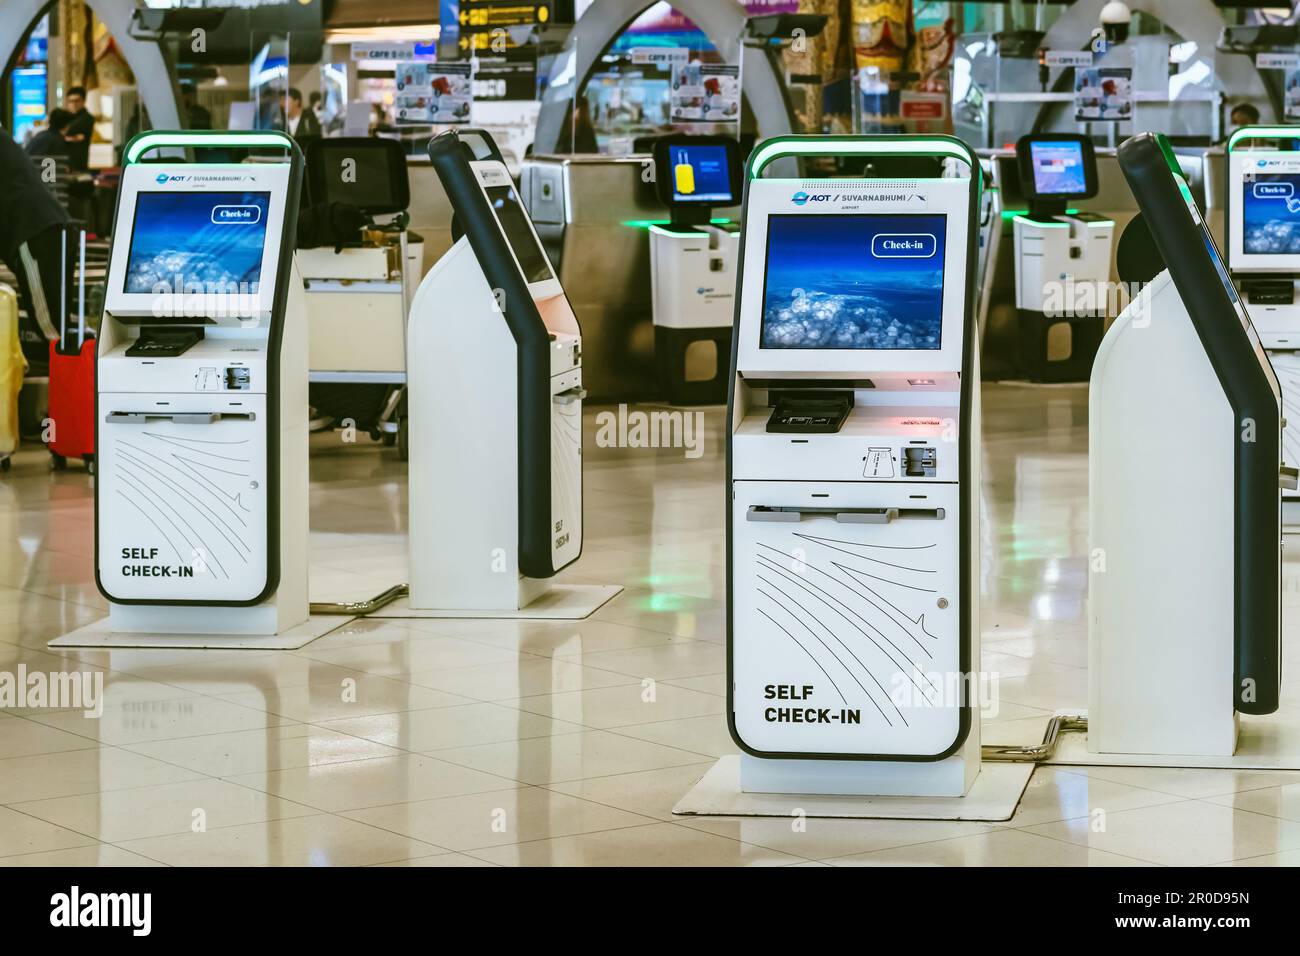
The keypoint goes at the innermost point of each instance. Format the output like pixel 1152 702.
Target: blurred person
pixel 31 241
pixel 81 130
pixel 53 139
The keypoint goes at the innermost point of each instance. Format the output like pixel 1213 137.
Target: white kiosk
pixel 1262 225
pixel 201 494
pixel 1058 252
pixel 853 469
pixel 693 265
pixel 495 400
pixel 1184 617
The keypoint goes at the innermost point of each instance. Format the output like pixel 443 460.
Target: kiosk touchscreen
pixel 693 263
pixel 200 501
pixel 1182 379
pixel 495 391
pixel 852 607
pixel 1058 252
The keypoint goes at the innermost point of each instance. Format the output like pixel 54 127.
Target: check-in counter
pixel 430 212
pixel 997 311
pixel 593 214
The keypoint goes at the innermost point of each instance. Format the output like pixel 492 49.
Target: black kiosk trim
pixel 1187 248
pixel 451 153
pixel 275 341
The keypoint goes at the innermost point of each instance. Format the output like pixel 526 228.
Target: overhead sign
pixel 396 52
pixel 477 16
pixel 1277 61
pixel 1064 58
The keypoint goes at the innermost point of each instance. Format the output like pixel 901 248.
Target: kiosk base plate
pixel 99 635
pixel 993 798
pixel 561 602
pixel 1263 743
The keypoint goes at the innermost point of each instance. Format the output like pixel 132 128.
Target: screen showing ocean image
pixel 854 282
pixel 1271 214
pixel 210 239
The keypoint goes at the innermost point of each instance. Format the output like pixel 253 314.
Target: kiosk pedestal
pixel 495 395
pixel 1184 617
pixel 693 293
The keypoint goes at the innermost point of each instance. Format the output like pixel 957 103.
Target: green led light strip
pixel 158 140
pixel 845 146
pixel 1263 132
pixel 647 223
pixel 1017 213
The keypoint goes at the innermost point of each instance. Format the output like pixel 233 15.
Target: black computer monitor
pixel 1056 169
pixel 696 174
pixel 365 172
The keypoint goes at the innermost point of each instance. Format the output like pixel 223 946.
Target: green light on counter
pixel 1020 213
pixel 647 223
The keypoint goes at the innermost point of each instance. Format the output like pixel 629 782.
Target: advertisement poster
pixel 1103 94
pixel 705 93
pixel 1292 97
pixel 433 93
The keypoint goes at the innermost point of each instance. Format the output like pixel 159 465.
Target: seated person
pixel 53 139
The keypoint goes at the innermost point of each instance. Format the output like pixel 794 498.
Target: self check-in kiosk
pixel 1184 623
pixel 853 469
pixel 693 265
pixel 201 497
pixel 1262 225
pixel 495 397
pixel 1058 253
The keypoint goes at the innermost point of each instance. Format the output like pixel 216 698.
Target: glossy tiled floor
pixel 496 743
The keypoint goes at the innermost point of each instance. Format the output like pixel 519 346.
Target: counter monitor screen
pixel 514 223
pixel 701 174
pixel 854 282
pixel 1058 168
pixel 369 183
pixel 212 240
pixel 1270 214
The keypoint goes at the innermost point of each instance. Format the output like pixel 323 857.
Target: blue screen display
pixel 183 239
pixel 1270 215
pixel 1058 168
pixel 700 174
pixel 854 282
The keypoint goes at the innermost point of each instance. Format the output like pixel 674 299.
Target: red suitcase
pixel 70 432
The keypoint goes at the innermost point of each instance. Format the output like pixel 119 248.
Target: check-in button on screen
pixel 919 245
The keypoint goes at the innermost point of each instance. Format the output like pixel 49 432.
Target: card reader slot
pixel 176 418
pixel 780 514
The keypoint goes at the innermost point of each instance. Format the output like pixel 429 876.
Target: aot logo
pixel 801 198
pixel 162 178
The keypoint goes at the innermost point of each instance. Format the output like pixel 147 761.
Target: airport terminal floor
pixel 586 733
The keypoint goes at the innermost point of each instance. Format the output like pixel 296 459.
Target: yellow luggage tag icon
pixel 684 173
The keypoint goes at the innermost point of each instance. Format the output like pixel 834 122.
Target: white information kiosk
pixel 201 425
pixel 853 471
pixel 1059 251
pixel 1263 238
pixel 693 265
pixel 495 398
pixel 1184 588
